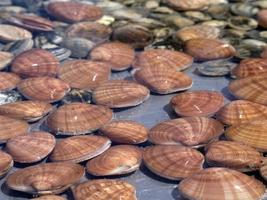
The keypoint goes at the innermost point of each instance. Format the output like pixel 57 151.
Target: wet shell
pixel 103 189
pixel 120 93
pixel 35 62
pixel 8 81
pixel 5 59
pixel 117 160
pixel 173 162
pixel 9 33
pixel 197 103
pixel 208 49
pixel 73 11
pixel 262 18
pixel 188 131
pixel 214 182
pixel 30 148
pixel 79 148
pixel 6 163
pixel 125 132
pixel 118 55
pixel 183 5
pixel 43 89
pixel 84 74
pixel 78 118
pixel 48 178
pixel 49 197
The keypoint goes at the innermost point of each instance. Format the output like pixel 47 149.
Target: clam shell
pixel 183 5
pixel 79 148
pixel 43 89
pixel 173 162
pixel 242 23
pixel 119 55
pixel 213 182
pixel 30 148
pixel 49 197
pixel 76 95
pixel 35 62
pixel 117 160
pixel 263 171
pixel 8 81
pixel 78 118
pixel 19 46
pixel 5 59
pixel 9 33
pixel 197 103
pixel 264 53
pixel 84 74
pixel 188 131
pixel 208 49
pixel 120 93
pixel 103 189
pixel 6 163
pixel 48 178
pixel 262 18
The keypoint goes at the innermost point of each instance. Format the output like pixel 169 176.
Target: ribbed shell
pixel 262 18
pixel 173 162
pixel 188 131
pixel 43 89
pixel 5 59
pixel 120 93
pixel 8 81
pixel 125 132
pixel 208 49
pixel 31 148
pixel 35 62
pixel 78 118
pixel 183 5
pixel 197 103
pixel 48 178
pixel 103 189
pixel 84 74
pixel 49 197
pixel 9 33
pixel 79 148
pixel 221 184
pixel 6 163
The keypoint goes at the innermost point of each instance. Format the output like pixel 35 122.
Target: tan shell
pixel 5 59
pixel 117 160
pixel 120 93
pixel 6 163
pixel 79 148
pixel 263 171
pixel 84 74
pixel 262 18
pixel 49 197
pixel 78 118
pixel 103 189
pixel 188 131
pixel 197 103
pixel 213 182
pixel 30 148
pixel 43 89
pixel 264 53
pixel 125 132
pixel 8 81
pixel 184 5
pixel 48 178
pixel 173 162
pixel 9 33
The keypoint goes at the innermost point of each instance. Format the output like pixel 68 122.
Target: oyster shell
pixel 9 33
pixel 5 59
pixel 183 5
pixel 6 163
pixel 262 18
pixel 8 81
pixel 49 197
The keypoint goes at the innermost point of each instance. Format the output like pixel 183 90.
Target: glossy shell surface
pixel 6 163
pixel 9 33
pixel 5 59
pixel 8 81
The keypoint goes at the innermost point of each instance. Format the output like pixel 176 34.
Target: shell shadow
pixel 227 94
pixel 176 194
pixel 92 177
pixel 168 109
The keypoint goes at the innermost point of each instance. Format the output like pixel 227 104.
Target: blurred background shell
pixel 6 163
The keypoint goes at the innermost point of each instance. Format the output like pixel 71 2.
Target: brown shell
pixel 78 118
pixel 5 59
pixel 208 49
pixel 264 53
pixel 262 18
pixel 263 171
pixel 117 160
pixel 213 182
pixel 9 33
pixel 43 89
pixel 241 112
pixel 120 93
pixel 197 103
pixel 125 132
pixel 163 57
pixel 31 148
pixel 103 189
pixel 49 197
pixel 48 178
pixel 6 163
pixel 183 5
pixel 8 81
pixel 250 88
pixel 35 62
pixel 84 74
pixel 188 131
pixel 79 148
pixel 118 55
pixel 173 162
pixel 73 11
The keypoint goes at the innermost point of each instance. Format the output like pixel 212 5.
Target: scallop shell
pixel 35 62
pixel 84 74
pixel 213 182
pixel 78 118
pixel 117 160
pixel 8 81
pixel 120 93
pixel 183 5
pixel 119 55
pixel 43 89
pixel 262 18
pixel 103 189
pixel 49 197
pixel 79 148
pixel 197 103
pixel 208 49
pixel 5 59
pixel 9 33
pixel 173 162
pixel 30 148
pixel 188 131
pixel 6 163
pixel 48 178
